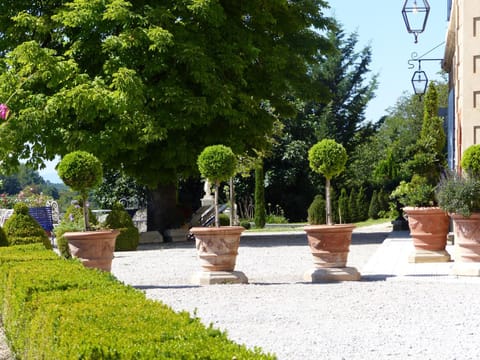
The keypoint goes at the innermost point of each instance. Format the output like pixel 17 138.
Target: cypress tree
pixel 373 208
pixel 343 209
pixel 361 205
pixel 352 205
pixel 260 212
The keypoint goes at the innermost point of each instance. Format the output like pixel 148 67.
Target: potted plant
pixel 329 243
pixel 459 195
pixel 82 171
pixel 217 246
pixel 428 224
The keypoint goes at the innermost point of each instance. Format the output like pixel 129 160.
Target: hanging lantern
pixel 419 82
pixel 415 14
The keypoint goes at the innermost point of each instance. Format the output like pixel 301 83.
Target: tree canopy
pixel 145 85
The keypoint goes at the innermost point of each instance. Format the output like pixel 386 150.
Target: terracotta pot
pixel 217 247
pixel 329 244
pixel 94 248
pixel 428 227
pixel 467 237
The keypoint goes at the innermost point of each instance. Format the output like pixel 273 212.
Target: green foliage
pixel 459 195
pixel 361 205
pixel 316 211
pixel 471 161
pixel 374 208
pixel 260 210
pixel 21 228
pixel 327 157
pixel 115 186
pixel 80 170
pixel 119 219
pixel 352 206
pixel 217 163
pixel 131 76
pixel 343 208
pixel 429 158
pixel 224 219
pixel 62 242
pixel 418 192
pixel 246 224
pixel 104 318
pixel 3 238
pixel 72 221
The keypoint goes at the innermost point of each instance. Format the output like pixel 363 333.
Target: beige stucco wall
pixel 462 61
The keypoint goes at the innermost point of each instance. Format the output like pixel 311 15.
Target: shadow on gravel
pixel 376 277
pixel 369 238
pixel 153 287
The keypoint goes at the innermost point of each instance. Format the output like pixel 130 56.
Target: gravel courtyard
pixel 380 317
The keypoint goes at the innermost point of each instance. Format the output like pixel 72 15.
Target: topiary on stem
pixel 217 163
pixel 328 158
pixel 81 171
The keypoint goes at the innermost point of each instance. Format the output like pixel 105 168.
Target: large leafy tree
pixel 145 85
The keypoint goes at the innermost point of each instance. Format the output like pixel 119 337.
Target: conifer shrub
pixel 260 210
pixel 374 209
pixel 119 219
pixel 224 219
pixel 343 209
pixel 21 228
pixel 317 211
pixel 3 238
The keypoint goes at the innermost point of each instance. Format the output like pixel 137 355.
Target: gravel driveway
pixel 277 311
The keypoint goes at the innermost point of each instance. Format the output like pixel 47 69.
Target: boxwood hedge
pixel 54 308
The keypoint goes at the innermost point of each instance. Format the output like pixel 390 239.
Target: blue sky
pixel 379 23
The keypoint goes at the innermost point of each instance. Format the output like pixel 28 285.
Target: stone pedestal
pixel 174 235
pixel 319 275
pixel 218 277
pixel 151 237
pixel 466 269
pixel 428 256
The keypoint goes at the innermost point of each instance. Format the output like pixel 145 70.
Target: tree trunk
pixel 217 216
pixel 329 203
pixel 162 212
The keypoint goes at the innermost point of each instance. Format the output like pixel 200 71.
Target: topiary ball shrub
pixel 246 224
pixel 217 163
pixel 471 161
pixel 119 219
pixel 21 228
pixel 316 211
pixel 328 158
pixel 224 219
pixel 81 171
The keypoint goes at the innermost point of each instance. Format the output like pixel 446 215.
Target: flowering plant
pixel 4 111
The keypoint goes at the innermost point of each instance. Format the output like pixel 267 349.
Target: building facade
pixel 462 62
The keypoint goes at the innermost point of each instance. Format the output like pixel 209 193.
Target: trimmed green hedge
pixel 57 309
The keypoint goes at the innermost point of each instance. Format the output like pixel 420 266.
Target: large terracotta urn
pixel 467 244
pixel 94 249
pixel 217 250
pixel 429 228
pixel 329 246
